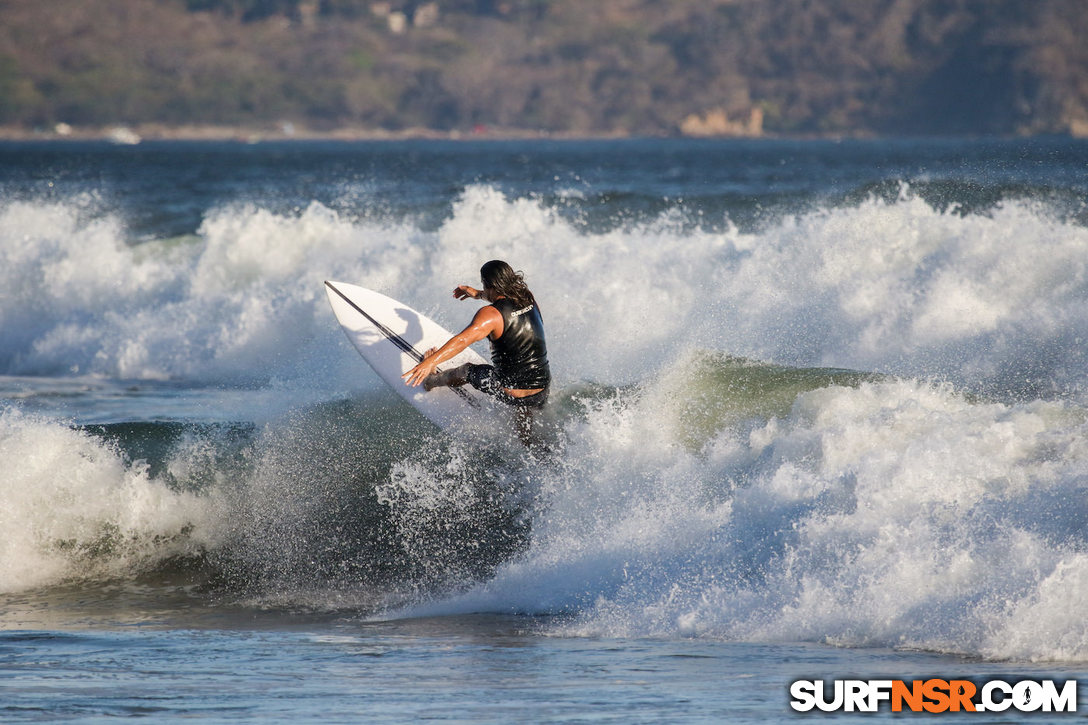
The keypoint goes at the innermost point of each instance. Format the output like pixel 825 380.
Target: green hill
pixel 575 67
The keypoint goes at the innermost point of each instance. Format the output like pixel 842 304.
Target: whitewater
pixel 843 407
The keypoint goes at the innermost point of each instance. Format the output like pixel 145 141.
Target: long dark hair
pixel 501 277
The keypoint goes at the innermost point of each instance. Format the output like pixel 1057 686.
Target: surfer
pixel 519 375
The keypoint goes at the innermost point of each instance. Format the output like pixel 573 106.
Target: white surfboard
pixel 392 338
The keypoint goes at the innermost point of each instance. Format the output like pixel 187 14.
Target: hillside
pixel 566 67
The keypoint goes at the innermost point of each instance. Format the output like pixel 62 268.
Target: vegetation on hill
pixel 556 66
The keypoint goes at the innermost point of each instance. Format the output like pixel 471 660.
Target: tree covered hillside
pixel 700 67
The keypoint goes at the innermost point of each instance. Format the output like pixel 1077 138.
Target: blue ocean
pixel 820 411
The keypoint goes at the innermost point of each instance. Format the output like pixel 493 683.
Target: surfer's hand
pixel 419 373
pixel 464 292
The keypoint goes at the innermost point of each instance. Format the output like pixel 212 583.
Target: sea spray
pixel 367 497
pixel 888 514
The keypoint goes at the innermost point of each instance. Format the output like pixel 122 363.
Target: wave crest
pixel 996 301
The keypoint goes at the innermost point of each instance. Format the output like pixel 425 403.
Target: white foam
pixel 74 508
pixel 996 300
pixel 895 514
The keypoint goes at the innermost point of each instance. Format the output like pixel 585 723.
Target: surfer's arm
pixel 463 292
pixel 486 321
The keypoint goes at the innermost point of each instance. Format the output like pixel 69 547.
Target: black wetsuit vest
pixel 520 355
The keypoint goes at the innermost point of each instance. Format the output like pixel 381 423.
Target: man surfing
pixel 519 375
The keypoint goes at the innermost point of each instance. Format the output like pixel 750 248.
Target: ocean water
pixel 820 411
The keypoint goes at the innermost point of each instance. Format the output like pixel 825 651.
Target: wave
pixel 722 498
pixel 885 513
pixel 995 302
pixel 359 491
pixel 720 469
pixel 75 507
pixel 322 498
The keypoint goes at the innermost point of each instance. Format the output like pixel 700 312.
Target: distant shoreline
pixel 136 133
pixel 132 135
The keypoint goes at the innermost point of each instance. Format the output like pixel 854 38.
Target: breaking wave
pixel 863 424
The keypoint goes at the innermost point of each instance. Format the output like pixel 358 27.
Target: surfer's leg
pixel 453 378
pixel 524 413
pixel 523 424
pixel 482 377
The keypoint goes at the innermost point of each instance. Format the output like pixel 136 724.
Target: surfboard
pixel 392 338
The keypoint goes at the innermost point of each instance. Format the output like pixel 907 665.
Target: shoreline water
pixel 131 134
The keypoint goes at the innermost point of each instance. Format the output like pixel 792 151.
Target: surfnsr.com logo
pixel 934 695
